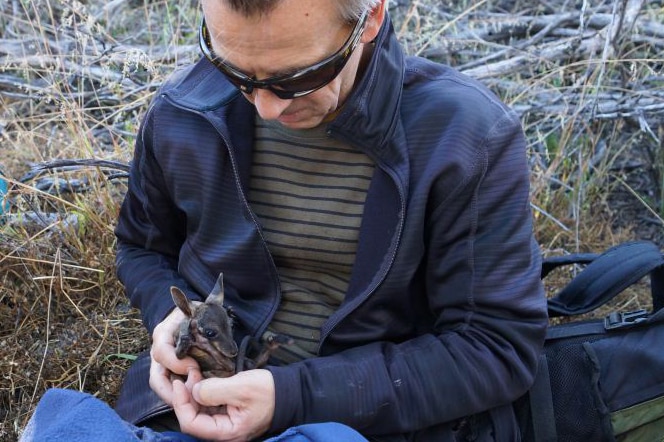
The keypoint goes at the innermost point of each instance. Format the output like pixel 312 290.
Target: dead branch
pixel 580 47
pixel 493 47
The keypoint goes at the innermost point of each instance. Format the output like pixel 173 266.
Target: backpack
pixel 601 379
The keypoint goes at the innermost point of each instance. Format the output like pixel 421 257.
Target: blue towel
pixel 323 432
pixel 67 415
pixel 73 416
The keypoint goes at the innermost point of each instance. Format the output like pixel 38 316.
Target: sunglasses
pixel 297 84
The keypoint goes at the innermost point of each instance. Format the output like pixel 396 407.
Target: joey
pixel 207 335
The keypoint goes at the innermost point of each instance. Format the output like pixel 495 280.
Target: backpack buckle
pixel 624 319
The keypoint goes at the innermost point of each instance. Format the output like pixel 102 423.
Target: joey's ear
pixel 374 22
pixel 216 296
pixel 180 299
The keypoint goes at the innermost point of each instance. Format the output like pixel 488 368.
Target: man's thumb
pixel 211 392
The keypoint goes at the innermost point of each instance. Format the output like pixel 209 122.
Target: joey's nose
pixel 230 349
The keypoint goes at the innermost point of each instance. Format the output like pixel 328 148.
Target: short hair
pixel 349 10
pixel 352 10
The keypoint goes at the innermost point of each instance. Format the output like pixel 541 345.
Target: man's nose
pixel 268 105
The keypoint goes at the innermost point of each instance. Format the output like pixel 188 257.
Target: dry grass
pixel 83 75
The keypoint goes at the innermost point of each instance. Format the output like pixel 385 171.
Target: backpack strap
pixel 551 263
pixel 605 276
pixel 540 399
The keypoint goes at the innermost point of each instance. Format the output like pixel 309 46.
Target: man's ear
pixel 374 22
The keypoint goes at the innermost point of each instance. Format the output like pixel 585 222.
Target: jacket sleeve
pixel 483 288
pixel 150 232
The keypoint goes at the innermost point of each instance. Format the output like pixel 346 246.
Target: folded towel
pixel 323 432
pixel 73 416
pixel 70 416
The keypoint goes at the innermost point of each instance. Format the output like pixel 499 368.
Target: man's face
pixel 294 35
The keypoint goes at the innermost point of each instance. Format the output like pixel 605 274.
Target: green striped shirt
pixel 308 192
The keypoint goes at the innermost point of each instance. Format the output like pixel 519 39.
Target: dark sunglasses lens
pixel 310 81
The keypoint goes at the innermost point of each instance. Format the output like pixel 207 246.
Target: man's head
pixel 295 60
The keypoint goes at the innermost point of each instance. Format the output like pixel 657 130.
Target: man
pixel 372 206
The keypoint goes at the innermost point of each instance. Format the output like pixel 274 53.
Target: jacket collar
pixel 373 114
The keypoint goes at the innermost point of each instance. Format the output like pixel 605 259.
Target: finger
pixel 163 344
pixel 194 376
pixel 185 408
pixel 211 392
pixel 161 372
pixel 164 354
pixel 160 382
pixel 195 422
pixel 236 390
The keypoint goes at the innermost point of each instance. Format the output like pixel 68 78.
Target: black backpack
pixel 601 379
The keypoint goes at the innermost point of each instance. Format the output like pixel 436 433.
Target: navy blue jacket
pixel 445 314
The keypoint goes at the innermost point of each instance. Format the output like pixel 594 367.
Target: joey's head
pixel 209 327
pixel 212 323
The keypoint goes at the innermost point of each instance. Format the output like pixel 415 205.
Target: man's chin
pixel 295 121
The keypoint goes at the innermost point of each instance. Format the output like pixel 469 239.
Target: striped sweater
pixel 308 192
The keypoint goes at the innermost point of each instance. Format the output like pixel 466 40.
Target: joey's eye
pixel 210 333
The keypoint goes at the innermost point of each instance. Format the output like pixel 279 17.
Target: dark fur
pixel 207 336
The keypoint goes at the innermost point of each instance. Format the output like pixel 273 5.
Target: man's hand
pixel 249 398
pixel 164 362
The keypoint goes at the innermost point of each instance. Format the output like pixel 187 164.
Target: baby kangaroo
pixel 207 336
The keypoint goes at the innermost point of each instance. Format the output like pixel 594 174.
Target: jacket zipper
pixel 329 326
pixel 262 327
